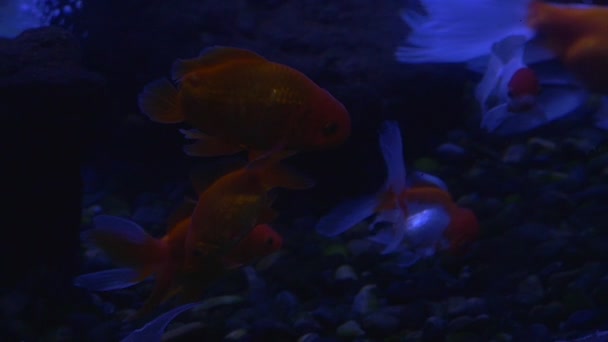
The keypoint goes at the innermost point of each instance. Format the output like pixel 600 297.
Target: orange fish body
pixel 463 229
pixel 240 100
pixel 579 38
pixel 230 207
pixel 128 245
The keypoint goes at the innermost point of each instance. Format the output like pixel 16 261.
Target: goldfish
pixel 507 79
pixel 513 96
pixel 508 92
pixel 237 100
pixel 457 31
pixel 578 35
pixel 516 97
pixel 143 256
pixel 450 32
pixel 422 216
pixel 238 201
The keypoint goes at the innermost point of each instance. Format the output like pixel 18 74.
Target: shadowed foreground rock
pixel 49 105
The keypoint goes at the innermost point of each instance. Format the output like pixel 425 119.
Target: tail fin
pixel 153 330
pixel 501 121
pixel 351 212
pixel 108 280
pixel 125 242
pixel 455 31
pixel 158 100
pixel 347 215
pixel 392 151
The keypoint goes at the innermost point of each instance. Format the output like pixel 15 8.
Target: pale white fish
pixel 505 60
pixel 153 330
pixel 454 31
pixel 421 229
pixel 556 101
pixel 501 121
pixel 108 280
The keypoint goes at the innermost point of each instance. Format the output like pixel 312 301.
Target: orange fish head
pixel 463 229
pixel 330 124
pixel 262 241
pixel 523 88
pixel 524 82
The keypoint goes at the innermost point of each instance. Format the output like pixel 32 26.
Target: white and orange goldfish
pixel 515 98
pixel 422 218
pixel 455 31
pixel 505 40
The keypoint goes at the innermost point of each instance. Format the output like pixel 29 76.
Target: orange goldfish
pixel 423 217
pixel 127 244
pixel 230 207
pixel 578 35
pixel 236 100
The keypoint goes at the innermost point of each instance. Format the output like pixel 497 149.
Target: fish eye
pixel 330 129
pixel 510 94
pixel 197 253
pixel 270 241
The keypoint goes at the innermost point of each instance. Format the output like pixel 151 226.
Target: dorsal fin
pixel 211 57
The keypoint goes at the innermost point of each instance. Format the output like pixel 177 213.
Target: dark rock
pixel 412 316
pixel 306 324
pixel 267 329
pixel 327 316
pixel 460 323
pixel 534 333
pixel 550 314
pixel 380 324
pixel 285 304
pixel 597 192
pixel 600 294
pixel 434 329
pixel 106 331
pixel 576 299
pixel 51 108
pixel 582 319
pixel 550 249
pixel 457 306
pixel 530 291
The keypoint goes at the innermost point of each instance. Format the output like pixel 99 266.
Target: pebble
pixel 530 290
pixel 434 328
pixel 350 329
pixel 345 272
pixel 365 301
